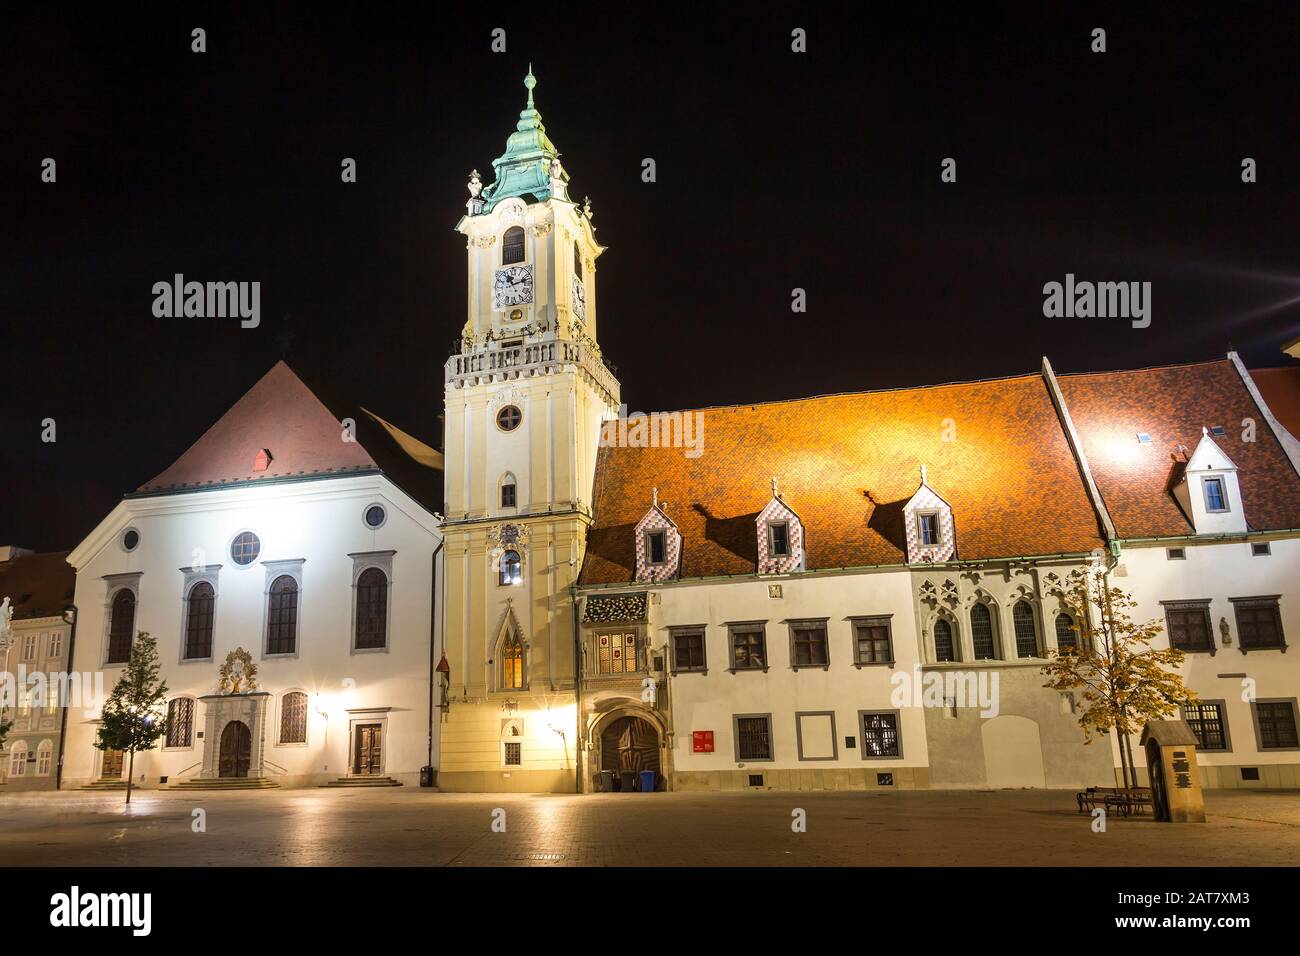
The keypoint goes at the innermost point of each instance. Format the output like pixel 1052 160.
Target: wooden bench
pixel 1117 798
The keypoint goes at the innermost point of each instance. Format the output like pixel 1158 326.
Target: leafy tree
pixel 134 714
pixel 1123 681
pixel 4 732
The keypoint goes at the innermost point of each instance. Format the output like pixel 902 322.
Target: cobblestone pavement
pixel 410 827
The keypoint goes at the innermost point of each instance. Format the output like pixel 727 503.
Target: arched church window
pixel 282 616
pixel 511 569
pixel 509 498
pixel 121 627
pixel 981 633
pixel 512 663
pixel 372 609
pixel 1022 616
pixel 512 246
pixel 198 621
pixel 944 647
pixel 1066 639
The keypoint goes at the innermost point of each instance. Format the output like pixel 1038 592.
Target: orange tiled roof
pixel 1281 390
pixel 37 585
pixel 279 414
pixel 1172 404
pixel 847 464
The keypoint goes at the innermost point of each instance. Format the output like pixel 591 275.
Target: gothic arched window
pixel 512 246
pixel 282 616
pixel 1022 617
pixel 121 627
pixel 372 609
pixel 512 662
pixel 511 569
pixel 944 647
pixel 1066 638
pixel 981 633
pixel 198 621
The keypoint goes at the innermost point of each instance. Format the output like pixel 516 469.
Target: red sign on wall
pixel 702 741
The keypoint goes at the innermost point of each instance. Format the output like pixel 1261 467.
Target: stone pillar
pixel 1170 748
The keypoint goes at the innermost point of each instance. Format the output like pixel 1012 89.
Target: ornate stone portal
pixel 221 710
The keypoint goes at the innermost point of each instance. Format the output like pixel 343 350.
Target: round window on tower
pixel 508 418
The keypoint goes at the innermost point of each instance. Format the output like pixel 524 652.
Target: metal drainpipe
pixel 433 643
pixel 63 720
pixel 577 693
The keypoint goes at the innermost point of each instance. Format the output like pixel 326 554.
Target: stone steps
pixel 363 782
pixel 104 785
pixel 224 783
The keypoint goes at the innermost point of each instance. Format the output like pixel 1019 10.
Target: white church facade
pixel 279 545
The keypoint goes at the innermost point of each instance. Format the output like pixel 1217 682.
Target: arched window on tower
pixel 512 662
pixel 511 569
pixel 512 246
pixel 945 648
pixel 121 627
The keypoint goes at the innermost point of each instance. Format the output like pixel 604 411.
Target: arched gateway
pixel 236 749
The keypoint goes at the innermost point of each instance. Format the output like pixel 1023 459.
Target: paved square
pixel 410 827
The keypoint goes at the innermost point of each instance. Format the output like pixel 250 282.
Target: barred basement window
pixel 198 621
pixel 180 722
pixel 1207 723
pixel 1188 624
pixel 880 734
pixel 1275 723
pixel 282 616
pixel 514 753
pixel 1022 618
pixel 1259 623
pixel 293 718
pixel 981 633
pixel 808 645
pixel 121 627
pixel 372 609
pixel 944 649
pixel 753 737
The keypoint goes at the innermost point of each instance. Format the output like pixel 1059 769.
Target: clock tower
pixel 525 398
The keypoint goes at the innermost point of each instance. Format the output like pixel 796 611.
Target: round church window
pixel 245 548
pixel 508 418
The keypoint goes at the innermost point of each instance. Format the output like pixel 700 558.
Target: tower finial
pixel 655 493
pixel 530 81
pixel 923 474
pixel 775 493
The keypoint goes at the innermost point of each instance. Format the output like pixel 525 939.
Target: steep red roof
pixel 1172 405
pixel 1281 390
pixel 279 414
pixel 847 464
pixel 37 585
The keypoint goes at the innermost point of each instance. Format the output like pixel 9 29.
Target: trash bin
pixel 627 781
pixel 426 776
pixel 647 781
pixel 607 781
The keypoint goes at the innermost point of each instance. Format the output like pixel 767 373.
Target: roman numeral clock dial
pixel 511 286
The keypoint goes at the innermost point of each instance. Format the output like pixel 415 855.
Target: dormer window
pixel 927 528
pixel 779 539
pixel 656 547
pixel 512 246
pixel 1215 499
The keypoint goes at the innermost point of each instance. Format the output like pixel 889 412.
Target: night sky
pixel 775 170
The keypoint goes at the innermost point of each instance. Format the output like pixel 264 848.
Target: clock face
pixel 579 299
pixel 512 286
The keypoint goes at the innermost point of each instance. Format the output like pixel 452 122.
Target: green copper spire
pixel 524 169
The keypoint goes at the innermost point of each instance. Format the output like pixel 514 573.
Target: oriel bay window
pixel 1259 623
pixel 748 646
pixel 616 653
pixel 808 645
pixel 1188 624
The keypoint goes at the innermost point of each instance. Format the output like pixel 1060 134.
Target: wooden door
pixel 112 769
pixel 370 746
pixel 236 750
